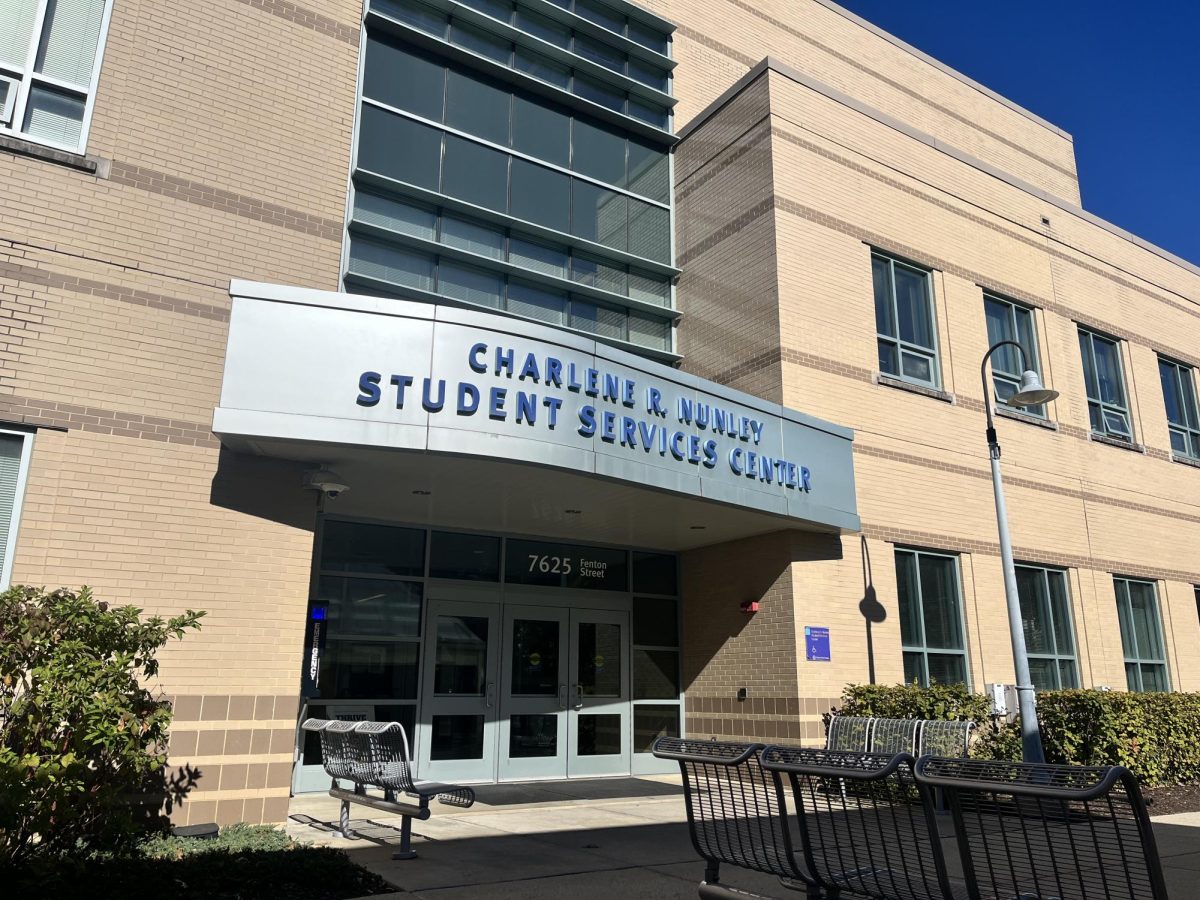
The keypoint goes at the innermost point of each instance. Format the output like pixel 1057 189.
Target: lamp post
pixel 1031 393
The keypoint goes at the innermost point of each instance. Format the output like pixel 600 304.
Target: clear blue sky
pixel 1122 78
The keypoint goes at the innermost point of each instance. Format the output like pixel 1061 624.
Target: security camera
pixel 327 481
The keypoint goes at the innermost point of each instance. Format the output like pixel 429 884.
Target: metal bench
pixel 865 828
pixel 376 755
pixel 1040 831
pixel 871 734
pixel 735 814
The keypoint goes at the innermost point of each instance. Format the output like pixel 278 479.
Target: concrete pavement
pixel 586 840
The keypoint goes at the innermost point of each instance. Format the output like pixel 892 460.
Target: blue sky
pixel 1122 79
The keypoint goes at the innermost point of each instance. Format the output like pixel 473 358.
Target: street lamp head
pixel 1032 391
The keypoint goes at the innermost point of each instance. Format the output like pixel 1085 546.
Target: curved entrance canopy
pixel 462 418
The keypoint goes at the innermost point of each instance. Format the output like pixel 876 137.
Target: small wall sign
pixel 816 644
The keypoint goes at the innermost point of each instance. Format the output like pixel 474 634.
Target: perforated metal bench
pixel 870 734
pixel 376 755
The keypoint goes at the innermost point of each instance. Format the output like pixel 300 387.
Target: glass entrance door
pixel 458 712
pixel 598 739
pixel 533 724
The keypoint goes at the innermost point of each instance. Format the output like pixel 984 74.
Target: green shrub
pixel 1154 735
pixel 83 750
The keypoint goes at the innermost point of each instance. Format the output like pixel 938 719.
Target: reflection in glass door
pixel 533 728
pixel 598 733
pixel 458 712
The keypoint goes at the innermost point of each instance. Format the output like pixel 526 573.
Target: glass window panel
pixel 1031 589
pixel 649 171
pixel 601 15
pixel 1132 679
pixel 532 736
pixel 648 74
pixel 655 674
pixel 403 77
pixel 599 53
pixel 535 657
pixel 546 306
pixel 1179 441
pixel 370 669
pixel 1170 388
pixel 940 603
pixel 370 606
pixel 471 38
pixel 1096 416
pixel 916 367
pixel 599 152
pixel 418 15
pixel 1060 612
pixel 396 215
pixel 599 320
pixel 649 231
pixel 470 284
pixel 655 620
pixel 541 195
pixel 1108 372
pixel 1154 677
pixel 601 94
pixel 889 358
pixel 908 596
pixel 474 237
pixel 599 663
pixel 467 557
pixel 461 656
pixel 999 318
pixel 497 9
pixel 1043 673
pixel 914 669
pixel 542 69
pixel 475 174
pixel 945 668
pixel 1127 638
pixel 70 37
pixel 566 565
pixel 648 332
pixel 389 263
pixel 1116 423
pixel 547 29
pixel 456 737
pixel 476 106
pixel 369 549
pixel 599 215
pixel 650 288
pixel 649 113
pixel 1089 367
pixel 398 147
pixel 54 115
pixel 881 281
pixel 1187 386
pixel 652 721
pixel 648 37
pixel 1068 677
pixel 19 16
pixel 1144 617
pixel 599 735
pixel 654 573
pixel 541 130
pixel 913 307
pixel 538 257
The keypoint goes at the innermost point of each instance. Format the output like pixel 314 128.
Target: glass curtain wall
pixel 475 184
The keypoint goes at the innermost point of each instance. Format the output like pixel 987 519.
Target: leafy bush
pixel 243 861
pixel 1154 735
pixel 83 751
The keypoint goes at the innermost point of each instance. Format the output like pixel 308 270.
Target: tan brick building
pixel 853 224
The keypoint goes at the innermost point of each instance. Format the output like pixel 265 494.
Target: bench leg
pixel 406 851
pixel 344 822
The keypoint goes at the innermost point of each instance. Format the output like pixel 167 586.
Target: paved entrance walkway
pixel 586 840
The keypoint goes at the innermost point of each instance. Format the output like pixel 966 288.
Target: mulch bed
pixel 1175 798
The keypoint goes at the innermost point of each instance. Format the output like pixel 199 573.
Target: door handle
pixel 562 696
pixel 578 696
pixel 489 695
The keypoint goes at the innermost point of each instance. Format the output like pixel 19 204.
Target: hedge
pixel 1154 735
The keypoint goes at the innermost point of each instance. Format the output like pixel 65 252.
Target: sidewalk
pixel 587 840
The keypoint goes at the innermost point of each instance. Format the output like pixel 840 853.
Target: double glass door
pixel 515 692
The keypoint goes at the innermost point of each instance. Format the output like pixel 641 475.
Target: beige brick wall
pixel 225 132
pixel 843 182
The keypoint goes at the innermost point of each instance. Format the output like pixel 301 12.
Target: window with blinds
pixel 12 451
pixel 49 62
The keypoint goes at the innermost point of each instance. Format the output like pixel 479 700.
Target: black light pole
pixel 1031 393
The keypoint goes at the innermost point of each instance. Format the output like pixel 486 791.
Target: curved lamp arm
pixel 993 444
